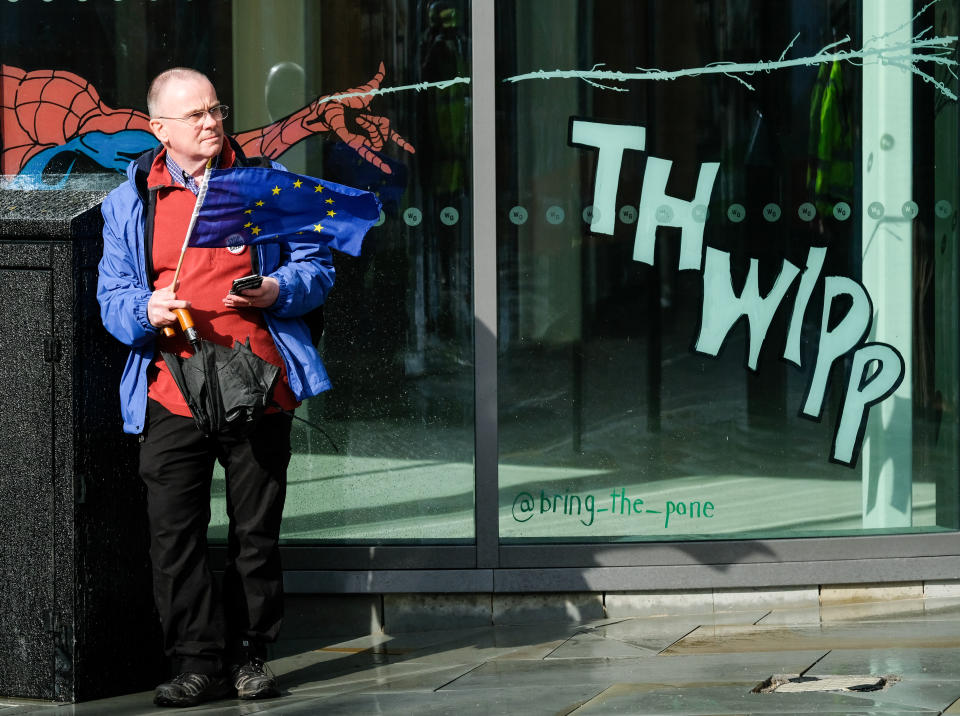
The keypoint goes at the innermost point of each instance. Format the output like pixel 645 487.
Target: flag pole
pixel 201 195
pixel 193 221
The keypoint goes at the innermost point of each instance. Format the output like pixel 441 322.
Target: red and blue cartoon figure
pixel 50 119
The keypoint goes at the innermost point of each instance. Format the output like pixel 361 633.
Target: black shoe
pixel 254 681
pixel 190 689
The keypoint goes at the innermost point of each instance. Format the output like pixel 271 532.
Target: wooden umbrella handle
pixel 185 320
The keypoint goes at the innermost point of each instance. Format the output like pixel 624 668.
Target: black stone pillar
pixel 75 599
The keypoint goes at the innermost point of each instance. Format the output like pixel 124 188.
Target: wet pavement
pixel 895 657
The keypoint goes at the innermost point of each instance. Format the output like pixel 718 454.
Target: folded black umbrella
pixel 226 389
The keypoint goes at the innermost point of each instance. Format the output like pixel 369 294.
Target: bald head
pixel 187 118
pixel 160 82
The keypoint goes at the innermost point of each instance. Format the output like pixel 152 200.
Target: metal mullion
pixel 485 280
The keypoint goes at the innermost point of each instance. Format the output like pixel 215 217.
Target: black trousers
pixel 207 626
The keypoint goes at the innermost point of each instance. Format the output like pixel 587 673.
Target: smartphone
pixel 245 282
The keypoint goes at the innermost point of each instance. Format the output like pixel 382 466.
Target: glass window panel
pixel 727 283
pixel 392 457
pixel 72 120
pixel 392 460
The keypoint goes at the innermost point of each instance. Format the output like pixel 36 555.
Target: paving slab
pixel 930 694
pixel 802 616
pixel 682 664
pixel 648 699
pixel 127 705
pixel 486 649
pixel 741 616
pixel 650 634
pixel 522 642
pixel 939 609
pixel 942 608
pixel 533 652
pixel 908 610
pixel 412 641
pixel 873 611
pixel 409 676
pixel 747 670
pixel 909 664
pixel 735 638
pixel 657 633
pixel 530 702
pixel 587 645
pixel 389 648
pixel 335 659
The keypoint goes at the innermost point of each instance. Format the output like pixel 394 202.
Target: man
pixel 216 638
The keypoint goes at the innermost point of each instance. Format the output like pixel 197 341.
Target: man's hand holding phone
pixel 253 291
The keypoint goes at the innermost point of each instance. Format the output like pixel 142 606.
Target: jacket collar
pixel 143 164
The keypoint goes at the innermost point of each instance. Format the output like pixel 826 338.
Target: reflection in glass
pixel 655 362
pixel 394 463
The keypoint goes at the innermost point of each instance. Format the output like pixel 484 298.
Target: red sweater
pixel 205 279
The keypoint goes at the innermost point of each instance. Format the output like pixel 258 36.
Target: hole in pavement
pixel 787 684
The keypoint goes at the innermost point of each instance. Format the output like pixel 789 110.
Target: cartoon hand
pixel 368 133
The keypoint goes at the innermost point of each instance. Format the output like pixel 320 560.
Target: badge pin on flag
pixel 255 205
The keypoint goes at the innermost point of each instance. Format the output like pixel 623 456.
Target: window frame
pixel 489 566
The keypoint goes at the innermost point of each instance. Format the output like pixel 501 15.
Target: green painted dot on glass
pixel 412 216
pixel 875 210
pixel 519 215
pixel 556 215
pixel 449 216
pixel 664 214
pixel 591 214
pixel 736 213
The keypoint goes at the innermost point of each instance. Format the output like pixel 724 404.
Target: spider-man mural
pixel 50 118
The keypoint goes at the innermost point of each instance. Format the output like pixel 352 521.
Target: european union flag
pixel 251 205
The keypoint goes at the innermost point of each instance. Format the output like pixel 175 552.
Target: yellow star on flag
pixel 248 211
pixel 260 203
pixel 318 188
pixel 317 227
pixel 248 225
pixel 329 201
pixel 297 183
pixel 255 230
pixel 331 213
pixel 276 190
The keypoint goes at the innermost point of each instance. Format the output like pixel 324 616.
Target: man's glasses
pixel 195 119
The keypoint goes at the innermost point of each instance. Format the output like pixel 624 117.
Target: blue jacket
pixel 304 271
